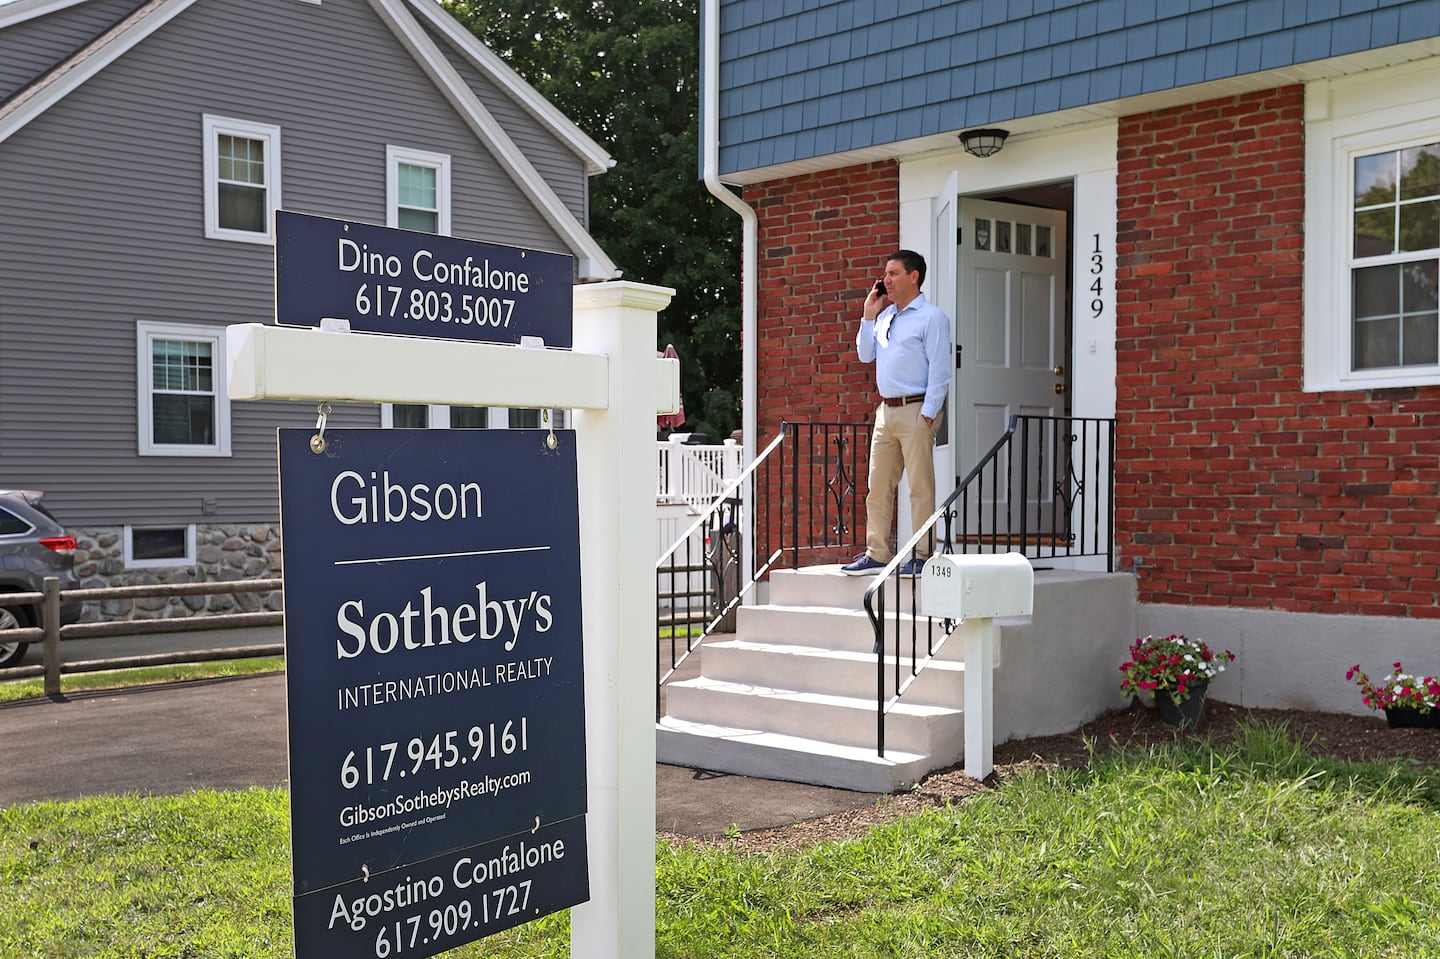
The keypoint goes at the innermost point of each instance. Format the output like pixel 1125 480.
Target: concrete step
pixel 832 672
pixel 825 627
pixel 827 586
pixel 921 728
pixel 770 755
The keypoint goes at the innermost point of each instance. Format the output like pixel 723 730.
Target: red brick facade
pixel 1233 486
pixel 823 240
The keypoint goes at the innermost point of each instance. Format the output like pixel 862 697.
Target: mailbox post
pixel 974 590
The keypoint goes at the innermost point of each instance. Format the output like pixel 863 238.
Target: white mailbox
pixel 977 587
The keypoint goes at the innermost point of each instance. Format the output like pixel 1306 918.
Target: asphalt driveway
pixel 230 734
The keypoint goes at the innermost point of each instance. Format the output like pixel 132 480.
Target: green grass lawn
pixel 1256 850
pixel 119 678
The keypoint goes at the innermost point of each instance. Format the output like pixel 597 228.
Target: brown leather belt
pixel 902 400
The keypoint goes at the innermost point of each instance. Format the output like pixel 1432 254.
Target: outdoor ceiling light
pixel 983 143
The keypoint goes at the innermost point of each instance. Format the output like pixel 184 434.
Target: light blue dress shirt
pixel 911 352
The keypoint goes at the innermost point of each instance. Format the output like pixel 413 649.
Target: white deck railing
pixel 687 480
pixel 695 475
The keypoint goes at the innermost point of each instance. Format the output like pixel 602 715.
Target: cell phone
pixel 880 287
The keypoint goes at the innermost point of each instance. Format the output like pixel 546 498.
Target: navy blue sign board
pixel 385 280
pixel 435 685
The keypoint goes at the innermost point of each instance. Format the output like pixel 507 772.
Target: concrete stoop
pixel 793 695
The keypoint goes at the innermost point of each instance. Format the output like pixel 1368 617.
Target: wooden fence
pixel 51 634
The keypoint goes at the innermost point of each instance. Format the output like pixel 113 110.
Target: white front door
pixel 1010 330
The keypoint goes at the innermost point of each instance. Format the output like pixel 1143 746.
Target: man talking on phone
pixel 908 339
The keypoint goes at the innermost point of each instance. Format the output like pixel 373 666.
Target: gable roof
pixel 400 16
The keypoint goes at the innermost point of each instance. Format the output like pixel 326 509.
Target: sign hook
pixel 317 442
pixel 550 441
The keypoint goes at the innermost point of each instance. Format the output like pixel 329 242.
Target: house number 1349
pixel 1097 269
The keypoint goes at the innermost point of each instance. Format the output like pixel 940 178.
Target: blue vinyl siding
pixel 870 72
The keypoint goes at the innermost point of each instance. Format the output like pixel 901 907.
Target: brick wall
pixel 1233 486
pixel 823 240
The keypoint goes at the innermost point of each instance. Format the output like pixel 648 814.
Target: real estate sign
pixel 435 683
pixel 386 280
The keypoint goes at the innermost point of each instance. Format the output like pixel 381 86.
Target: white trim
pixel 129 547
pixel 214 127
pixel 68 76
pixel 1353 116
pixel 591 261
pixel 594 155
pixel 439 162
pixel 145 332
pixel 18 11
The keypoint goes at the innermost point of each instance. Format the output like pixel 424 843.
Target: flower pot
pixel 1404 717
pixel 1187 714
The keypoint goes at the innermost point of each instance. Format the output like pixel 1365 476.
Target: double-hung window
pixel 1372 231
pixel 417 190
pixel 183 408
pixel 242 179
pixel 1395 258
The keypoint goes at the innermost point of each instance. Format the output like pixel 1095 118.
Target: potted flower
pixel 1177 670
pixel 1407 700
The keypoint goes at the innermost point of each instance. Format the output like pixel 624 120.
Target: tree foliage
pixel 627 73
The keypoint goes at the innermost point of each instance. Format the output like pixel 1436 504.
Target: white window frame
pixel 129 542
pixel 147 331
pixel 438 417
pixel 439 162
pixel 1345 119
pixel 214 127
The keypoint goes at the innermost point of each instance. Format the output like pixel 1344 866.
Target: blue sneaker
pixel 862 565
pixel 912 568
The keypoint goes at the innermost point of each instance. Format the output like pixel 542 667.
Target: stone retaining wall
pixel 222 553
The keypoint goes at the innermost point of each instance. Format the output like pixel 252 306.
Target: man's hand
pixel 875 303
pixel 929 420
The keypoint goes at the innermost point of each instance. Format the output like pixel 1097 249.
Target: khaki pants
pixel 900 442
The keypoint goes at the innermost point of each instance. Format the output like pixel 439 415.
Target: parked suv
pixel 33 545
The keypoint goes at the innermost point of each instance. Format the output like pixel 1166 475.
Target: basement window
pixel 150 546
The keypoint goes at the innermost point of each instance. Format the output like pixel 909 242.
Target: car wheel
pixel 10 652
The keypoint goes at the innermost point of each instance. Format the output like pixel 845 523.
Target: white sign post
pixel 616 384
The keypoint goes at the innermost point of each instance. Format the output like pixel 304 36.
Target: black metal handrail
pixel 803 486
pixel 1045 489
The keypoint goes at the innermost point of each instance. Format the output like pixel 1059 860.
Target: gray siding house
pixel 144 147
